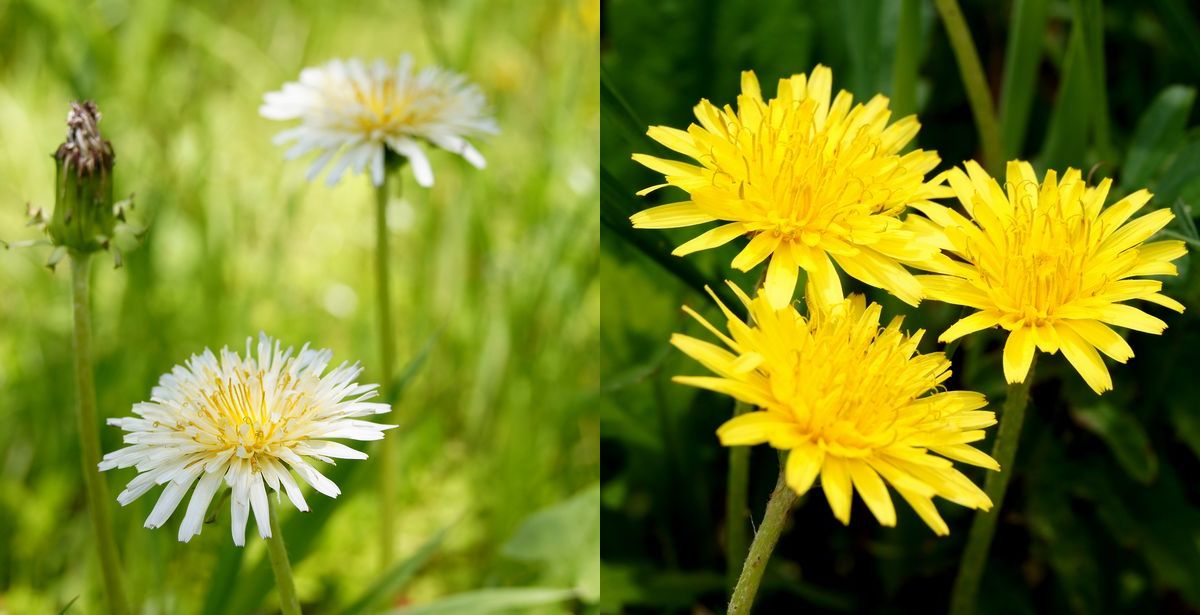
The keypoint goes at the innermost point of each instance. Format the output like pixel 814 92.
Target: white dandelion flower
pixel 354 112
pixel 248 422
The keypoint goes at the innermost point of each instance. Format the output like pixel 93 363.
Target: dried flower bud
pixel 83 218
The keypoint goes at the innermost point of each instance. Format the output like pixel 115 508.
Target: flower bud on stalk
pixel 83 218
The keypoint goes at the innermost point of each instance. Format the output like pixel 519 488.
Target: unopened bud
pixel 84 219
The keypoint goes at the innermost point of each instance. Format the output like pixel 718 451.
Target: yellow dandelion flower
pixel 1050 264
pixel 806 179
pixel 851 402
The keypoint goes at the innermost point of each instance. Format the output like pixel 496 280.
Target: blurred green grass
pixel 500 420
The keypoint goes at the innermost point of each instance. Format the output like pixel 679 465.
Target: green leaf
pixel 1158 133
pixel 395 579
pixel 1124 435
pixel 1183 171
pixel 565 540
pixel 1023 55
pixel 69 605
pixel 486 601
pixel 1067 135
pixel 907 59
pixel 1186 421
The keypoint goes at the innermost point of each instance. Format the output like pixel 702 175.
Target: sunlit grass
pixel 500 266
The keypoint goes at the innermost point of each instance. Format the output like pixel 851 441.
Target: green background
pixel 494 285
pixel 1103 514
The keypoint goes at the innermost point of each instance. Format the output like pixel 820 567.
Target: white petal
pixel 193 519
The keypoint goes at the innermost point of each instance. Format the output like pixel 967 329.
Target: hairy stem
pixel 89 437
pixel 983 528
pixel 781 502
pixel 284 584
pixel 738 485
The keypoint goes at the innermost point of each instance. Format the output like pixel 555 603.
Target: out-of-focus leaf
pixel 1186 421
pixel 69 605
pixel 1090 17
pixel 1023 54
pixel 1156 520
pixel 1159 132
pixel 393 580
pixel 1181 26
pixel 1067 136
pixel 565 540
pixel 1183 171
pixel 1068 547
pixel 486 601
pixel 1123 434
pixel 906 59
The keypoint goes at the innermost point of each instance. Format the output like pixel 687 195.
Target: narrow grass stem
pixel 736 493
pixel 89 437
pixel 387 356
pixel 904 67
pixel 983 528
pixel 974 80
pixel 284 584
pixel 781 502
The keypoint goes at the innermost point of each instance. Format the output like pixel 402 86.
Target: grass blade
pixel 975 82
pixel 1021 60
pixel 1067 135
pixel 907 59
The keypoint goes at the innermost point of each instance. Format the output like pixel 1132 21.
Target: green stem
pixel 89 437
pixel 736 494
pixel 781 502
pixel 904 67
pixel 284 584
pixel 983 528
pixel 387 353
pixel 975 82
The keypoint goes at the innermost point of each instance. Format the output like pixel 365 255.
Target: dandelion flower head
pixel 1050 264
pixel 808 180
pixel 355 112
pixel 248 422
pixel 852 402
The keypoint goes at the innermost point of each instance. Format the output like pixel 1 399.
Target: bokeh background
pixel 496 302
pixel 1103 514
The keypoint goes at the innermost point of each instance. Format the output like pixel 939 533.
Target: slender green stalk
pixel 387 356
pixel 736 494
pixel 904 66
pixel 781 502
pixel 979 540
pixel 284 584
pixel 975 82
pixel 89 437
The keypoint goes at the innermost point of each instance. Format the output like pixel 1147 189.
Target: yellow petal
pixel 967 454
pixel 712 238
pixel 824 284
pixel 752 428
pixel 954 290
pixel 709 355
pixel 667 167
pixel 923 506
pixel 782 273
pixel 1099 335
pixel 975 322
pixel 1085 359
pixel 803 466
pixel 1117 314
pixel 835 481
pixel 738 390
pixel 1164 301
pixel 1018 355
pixel 873 492
pixel 674 215
pixel 882 272
pixel 673 138
pixel 756 251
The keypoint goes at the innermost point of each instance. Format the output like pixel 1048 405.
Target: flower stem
pixel 387 353
pixel 735 504
pixel 983 528
pixel 978 94
pixel 781 502
pixel 284 584
pixel 89 437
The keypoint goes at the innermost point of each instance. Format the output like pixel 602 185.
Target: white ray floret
pixel 249 422
pixel 354 113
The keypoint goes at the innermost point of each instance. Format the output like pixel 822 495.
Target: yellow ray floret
pixel 852 403
pixel 1050 264
pixel 808 180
